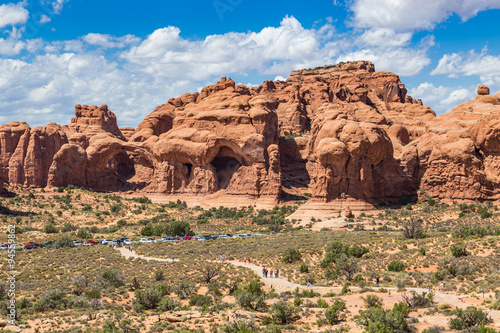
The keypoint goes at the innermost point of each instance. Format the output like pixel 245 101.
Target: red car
pixel 90 242
pixel 32 243
pixel 187 237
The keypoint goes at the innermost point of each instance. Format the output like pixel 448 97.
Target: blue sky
pixel 134 55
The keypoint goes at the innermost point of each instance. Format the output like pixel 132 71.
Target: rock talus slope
pixel 342 132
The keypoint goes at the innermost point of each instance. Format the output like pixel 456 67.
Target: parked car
pixel 4 247
pixel 15 246
pixel 106 241
pixel 33 243
pixel 77 243
pixel 146 240
pixel 90 242
pixel 127 241
pixel 30 246
pixel 188 237
pixel 48 243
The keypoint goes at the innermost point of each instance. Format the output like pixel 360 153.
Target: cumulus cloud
pixel 383 37
pixel 108 41
pixel 410 15
pixel 272 51
pixel 483 65
pixel 13 14
pixel 11 47
pixel 442 99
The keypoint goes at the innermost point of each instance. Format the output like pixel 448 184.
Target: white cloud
pixel 442 99
pixel 44 19
pixel 484 65
pixel 410 15
pixel 383 37
pixel 11 47
pixel 13 14
pixel 108 41
pixel 272 51
pixel 57 5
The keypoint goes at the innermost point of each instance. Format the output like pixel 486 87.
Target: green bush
pixel 113 278
pixel 378 320
pixel 200 300
pixel 50 229
pixel 322 303
pixel 148 299
pixel 458 250
pixel 283 313
pixel 372 301
pixel 396 266
pixel 168 304
pixel 469 318
pixel 336 312
pixel 291 255
pixel 304 268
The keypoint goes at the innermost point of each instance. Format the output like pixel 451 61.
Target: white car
pixel 127 241
pixel 146 240
pixel 106 241
pixel 77 243
pixel 4 247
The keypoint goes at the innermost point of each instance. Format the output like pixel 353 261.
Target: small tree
pixel 347 266
pixel 469 318
pixel 80 282
pixel 291 255
pixel 336 312
pixel 283 313
pixel 396 266
pixel 209 272
pixel 458 250
pixel 412 229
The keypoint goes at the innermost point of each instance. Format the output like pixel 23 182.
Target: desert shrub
pixel 322 303
pixel 68 227
pixel 83 234
pixel 64 242
pixel 297 301
pixel 336 312
pixel 168 304
pixel 396 266
pixel 415 300
pixel 283 313
pixel 250 301
pixel 336 249
pixel 377 320
pixel 304 268
pixel 291 255
pixel 347 266
pixel 458 250
pixel 413 229
pixel 50 229
pixel 179 228
pixel 142 200
pixel 469 318
pixel 149 298
pixel 113 278
pixel 345 288
pixel 159 275
pixel 200 300
pixel 55 299
pixel 184 289
pixel 372 301
pixel 239 327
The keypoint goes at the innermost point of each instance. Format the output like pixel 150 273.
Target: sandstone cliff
pixel 342 131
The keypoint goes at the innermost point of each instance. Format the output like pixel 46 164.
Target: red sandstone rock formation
pixel 347 132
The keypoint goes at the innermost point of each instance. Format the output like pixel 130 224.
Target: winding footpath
pixel 281 284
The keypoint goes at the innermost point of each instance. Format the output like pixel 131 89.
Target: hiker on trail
pixel 271 275
pixel 378 280
pixel 389 292
pixel 249 261
pixel 129 249
pixel 245 260
pixel 263 272
pixel 173 257
pixel 221 258
pixel 429 289
pixel 266 272
pixel 441 286
pixel 308 281
pixel 276 273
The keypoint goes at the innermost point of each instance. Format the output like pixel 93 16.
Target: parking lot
pixel 124 241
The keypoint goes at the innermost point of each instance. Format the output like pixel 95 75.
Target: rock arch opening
pixel 130 170
pixel 226 164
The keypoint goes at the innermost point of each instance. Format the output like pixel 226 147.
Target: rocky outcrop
pixel 342 134
pixel 458 155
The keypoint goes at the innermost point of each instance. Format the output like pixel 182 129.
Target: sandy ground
pixel 281 284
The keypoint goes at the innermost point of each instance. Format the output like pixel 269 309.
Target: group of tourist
pixel 265 272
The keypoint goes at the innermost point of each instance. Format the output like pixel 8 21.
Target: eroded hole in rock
pixel 225 168
pixel 189 167
pixel 130 170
